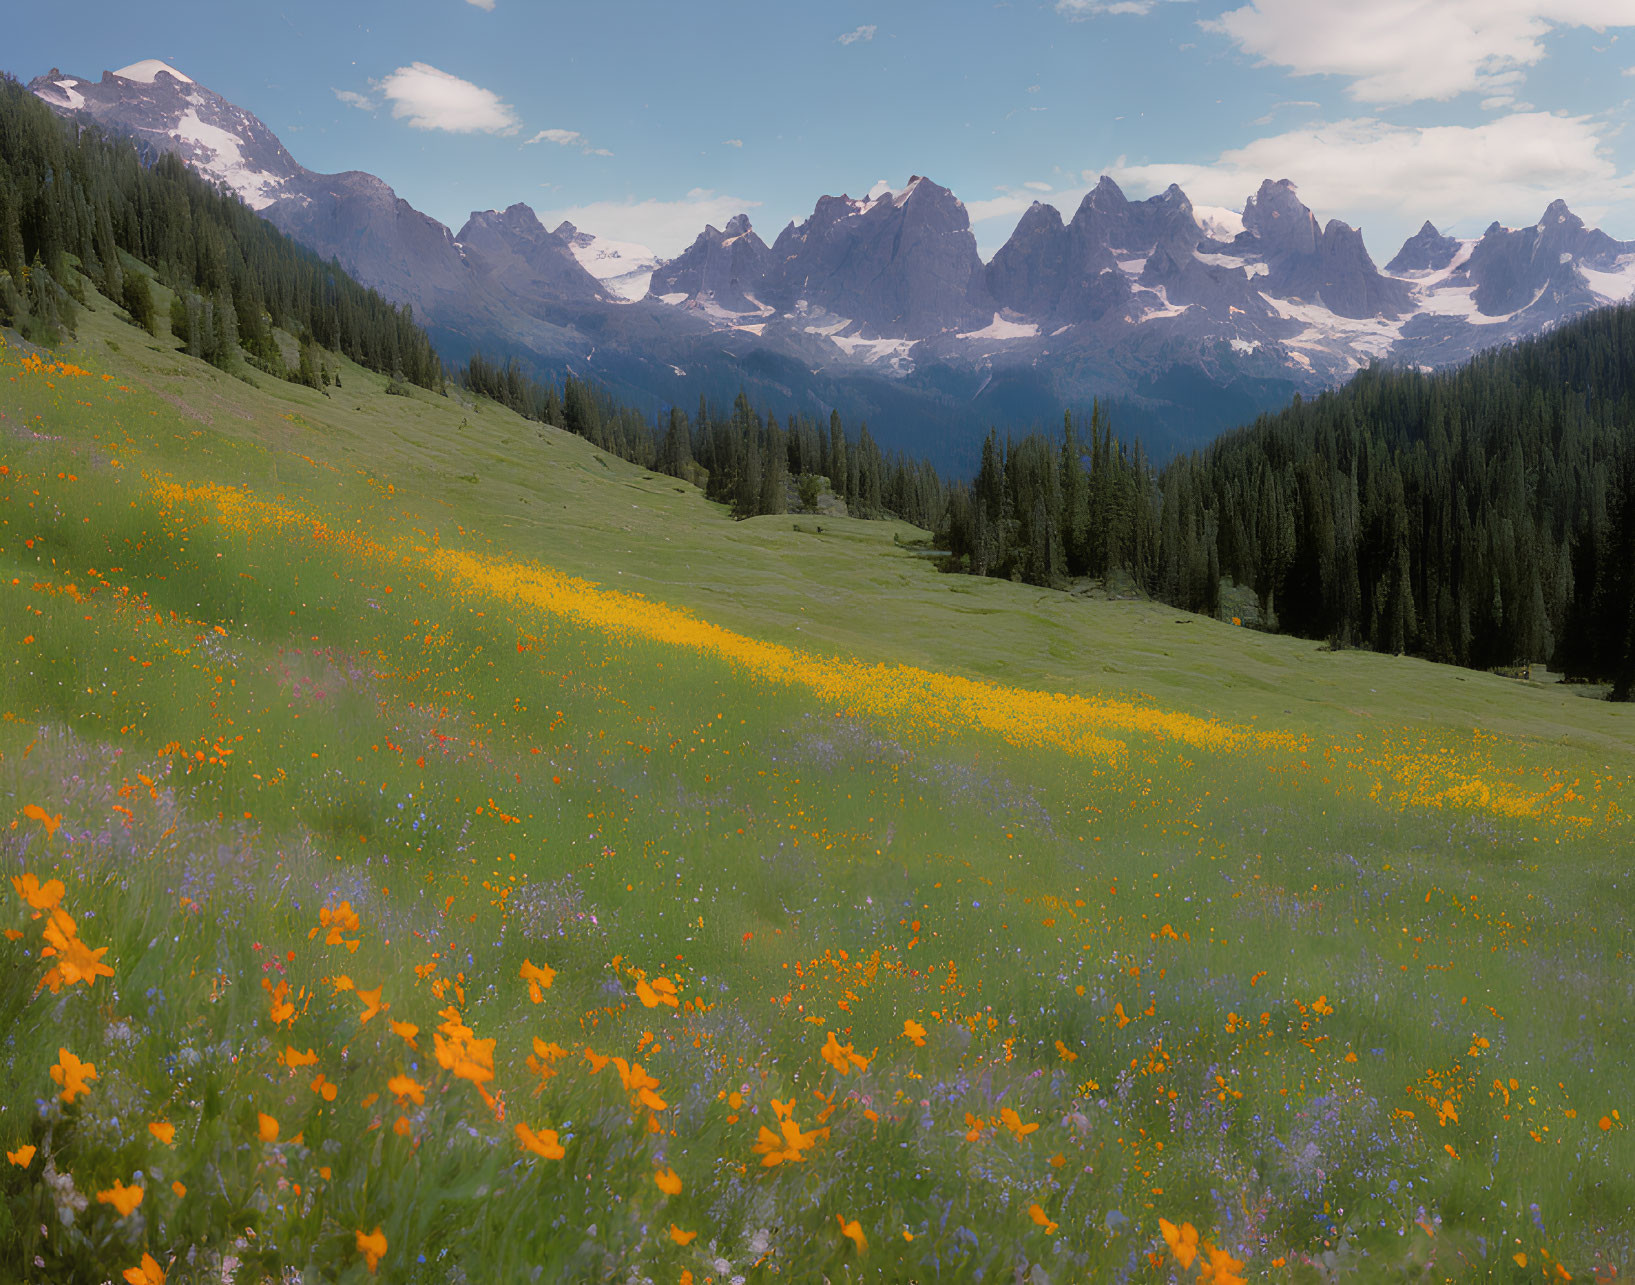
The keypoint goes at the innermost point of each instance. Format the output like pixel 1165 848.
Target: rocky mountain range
pixel 881 306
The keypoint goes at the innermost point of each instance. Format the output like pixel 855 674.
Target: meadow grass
pixel 346 722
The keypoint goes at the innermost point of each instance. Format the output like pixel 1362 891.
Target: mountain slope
pixel 1185 319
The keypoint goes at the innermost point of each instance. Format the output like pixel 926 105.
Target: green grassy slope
pixel 1325 954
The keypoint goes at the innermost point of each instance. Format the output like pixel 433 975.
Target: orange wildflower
pixel 661 991
pixel 1182 1241
pixel 542 1143
pixel 282 1010
pixel 72 1074
pixel 371 1003
pixel 539 978
pixel 372 1246
pixel 1013 1122
pixel 39 896
pixel 681 1237
pixel 669 1182
pixel 147 1272
pixel 34 812
pixel 165 1132
pixel 266 1127
pixel 124 1199
pixel 912 1030
pixel 1037 1213
pixel 335 921
pixel 406 1090
pixel 841 1056
pixel 23 1156
pixel 853 1231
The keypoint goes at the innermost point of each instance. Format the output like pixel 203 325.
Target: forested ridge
pixel 1483 516
pixel 67 190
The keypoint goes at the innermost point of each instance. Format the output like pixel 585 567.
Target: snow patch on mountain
pixel 1612 286
pixel 257 188
pixel 1163 308
pixel 625 268
pixel 1328 332
pixel 72 98
pixel 999 328
pixel 147 71
pixel 1253 267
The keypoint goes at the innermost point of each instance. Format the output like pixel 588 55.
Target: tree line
pixel 740 456
pixel 78 206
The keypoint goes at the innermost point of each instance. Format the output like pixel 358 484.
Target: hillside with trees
pixel 1483 516
pixel 73 198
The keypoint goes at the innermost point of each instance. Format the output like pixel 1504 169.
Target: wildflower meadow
pixel 542 877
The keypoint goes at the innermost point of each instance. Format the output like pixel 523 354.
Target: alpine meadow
pixel 481 807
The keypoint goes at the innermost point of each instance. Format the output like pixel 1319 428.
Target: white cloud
pixel 1509 168
pixel 1033 185
pixel 859 33
pixel 432 99
pixel 732 142
pixel 1295 103
pixel 567 138
pixel 669 227
pixel 354 99
pixel 1403 51
pixel 1078 10
pixel 487 6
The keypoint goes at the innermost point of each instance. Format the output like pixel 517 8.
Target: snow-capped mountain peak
pixel 172 112
pixel 147 71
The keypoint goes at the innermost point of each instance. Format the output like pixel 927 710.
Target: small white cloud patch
pixel 1077 10
pixel 487 6
pixel 567 138
pixel 354 99
pixel 859 33
pixel 732 142
pixel 429 98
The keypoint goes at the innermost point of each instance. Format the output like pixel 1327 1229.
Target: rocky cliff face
pixel 903 264
pixel 1426 251
pixel 722 269
pixel 512 252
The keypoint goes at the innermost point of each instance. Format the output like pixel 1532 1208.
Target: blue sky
pixel 644 119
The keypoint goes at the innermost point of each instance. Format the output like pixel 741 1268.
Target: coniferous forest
pixel 1482 517
pixel 70 193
